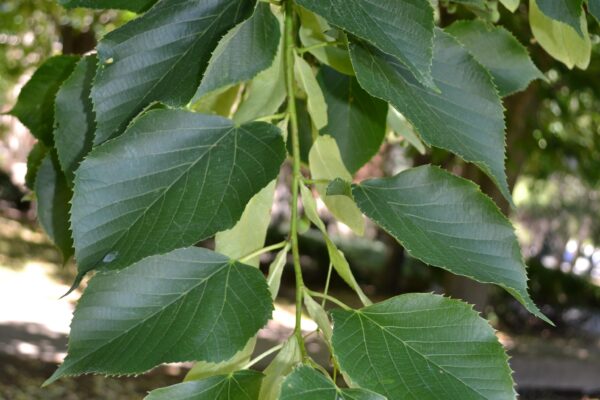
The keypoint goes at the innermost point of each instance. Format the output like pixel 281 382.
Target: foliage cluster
pixel 175 131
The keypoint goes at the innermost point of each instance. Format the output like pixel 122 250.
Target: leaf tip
pixel 53 378
pixel 74 286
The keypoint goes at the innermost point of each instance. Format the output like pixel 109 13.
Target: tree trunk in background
pixel 76 42
pixel 387 282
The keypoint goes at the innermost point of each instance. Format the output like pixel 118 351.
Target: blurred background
pixel 553 142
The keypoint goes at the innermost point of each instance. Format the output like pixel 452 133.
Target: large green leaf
pixel 131 5
pixel 422 346
pixel 172 179
pixel 447 222
pixel 567 11
pixel 160 56
pixel 35 105
pixel 74 117
pixel 255 41
pixel 466 117
pixel 500 52
pixel 356 120
pixel 241 385
pixel 53 196
pixel 34 160
pixel 306 383
pixel 400 28
pixel 190 304
pixel 326 163
pixel 560 40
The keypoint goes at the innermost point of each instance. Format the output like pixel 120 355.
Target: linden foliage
pixel 175 130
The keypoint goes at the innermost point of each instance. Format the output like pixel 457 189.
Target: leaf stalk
pixel 316 181
pixel 264 355
pixel 264 250
pixel 328 298
pixel 303 50
pixel 273 117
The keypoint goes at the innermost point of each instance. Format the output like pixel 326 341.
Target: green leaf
pixel 160 56
pixel 313 33
pixel 560 40
pixel 34 160
pixel 339 187
pixel 326 163
pixel 400 126
pixel 219 102
pixel 594 9
pixel 400 28
pixel 567 11
pixel 478 4
pixel 466 117
pixel 336 257
pixel 319 315
pixel 190 304
pixel 447 222
pixel 317 108
pixel 131 5
pixel 500 52
pixel 356 120
pixel 306 383
pixel 173 179
pixel 287 358
pixel 204 369
pixel 276 270
pixel 422 346
pixel 265 93
pixel 35 105
pixel 250 232
pixel 53 196
pixel 74 117
pixel 240 385
pixel 255 41
pixel 511 5
pixel 306 131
